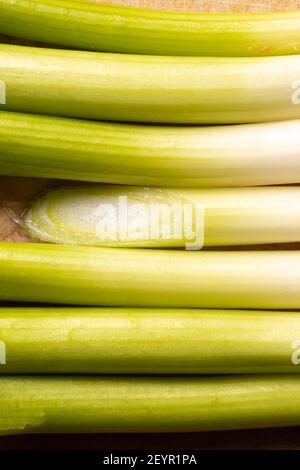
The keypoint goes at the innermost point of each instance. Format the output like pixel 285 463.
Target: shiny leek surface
pixel 88 26
pixel 154 404
pixel 164 217
pixel 50 147
pixel 149 278
pixel 122 87
pixel 148 341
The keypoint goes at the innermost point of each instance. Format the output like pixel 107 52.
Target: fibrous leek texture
pixel 155 404
pixel 148 341
pixel 122 87
pixel 156 278
pixel 84 25
pixel 244 155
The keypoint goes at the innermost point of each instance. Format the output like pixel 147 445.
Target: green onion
pixel 50 147
pixel 232 216
pixel 139 404
pixel 150 88
pixel 157 278
pixel 114 340
pixel 118 29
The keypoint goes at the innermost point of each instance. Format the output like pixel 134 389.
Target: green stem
pixel 161 341
pixel 137 404
pixel 157 278
pixel 49 147
pixel 120 29
pixel 203 90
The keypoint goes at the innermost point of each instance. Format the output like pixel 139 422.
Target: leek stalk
pixel 231 216
pixel 195 90
pixel 139 404
pixel 120 29
pixel 50 147
pixel 159 341
pixel 156 278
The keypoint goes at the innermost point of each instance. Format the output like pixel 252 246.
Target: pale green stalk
pixel 197 90
pixel 49 147
pixel 100 27
pixel 156 404
pixel 163 217
pixel 158 341
pixel 156 278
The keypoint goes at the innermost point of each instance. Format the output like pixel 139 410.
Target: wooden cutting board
pixel 15 194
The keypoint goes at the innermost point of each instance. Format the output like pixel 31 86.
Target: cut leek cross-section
pixel 133 216
pixel 121 87
pixel 245 155
pixel 85 25
pixel 156 278
pixel 161 341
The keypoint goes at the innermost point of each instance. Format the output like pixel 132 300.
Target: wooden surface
pixel 15 193
pixel 209 5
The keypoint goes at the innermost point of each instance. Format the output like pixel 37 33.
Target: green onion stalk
pixel 149 278
pixel 155 404
pixel 124 87
pixel 56 340
pixel 244 155
pixel 84 25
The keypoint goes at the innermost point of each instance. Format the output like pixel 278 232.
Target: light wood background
pixel 209 5
pixel 15 193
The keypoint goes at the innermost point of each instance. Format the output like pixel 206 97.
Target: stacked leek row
pixel 226 322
